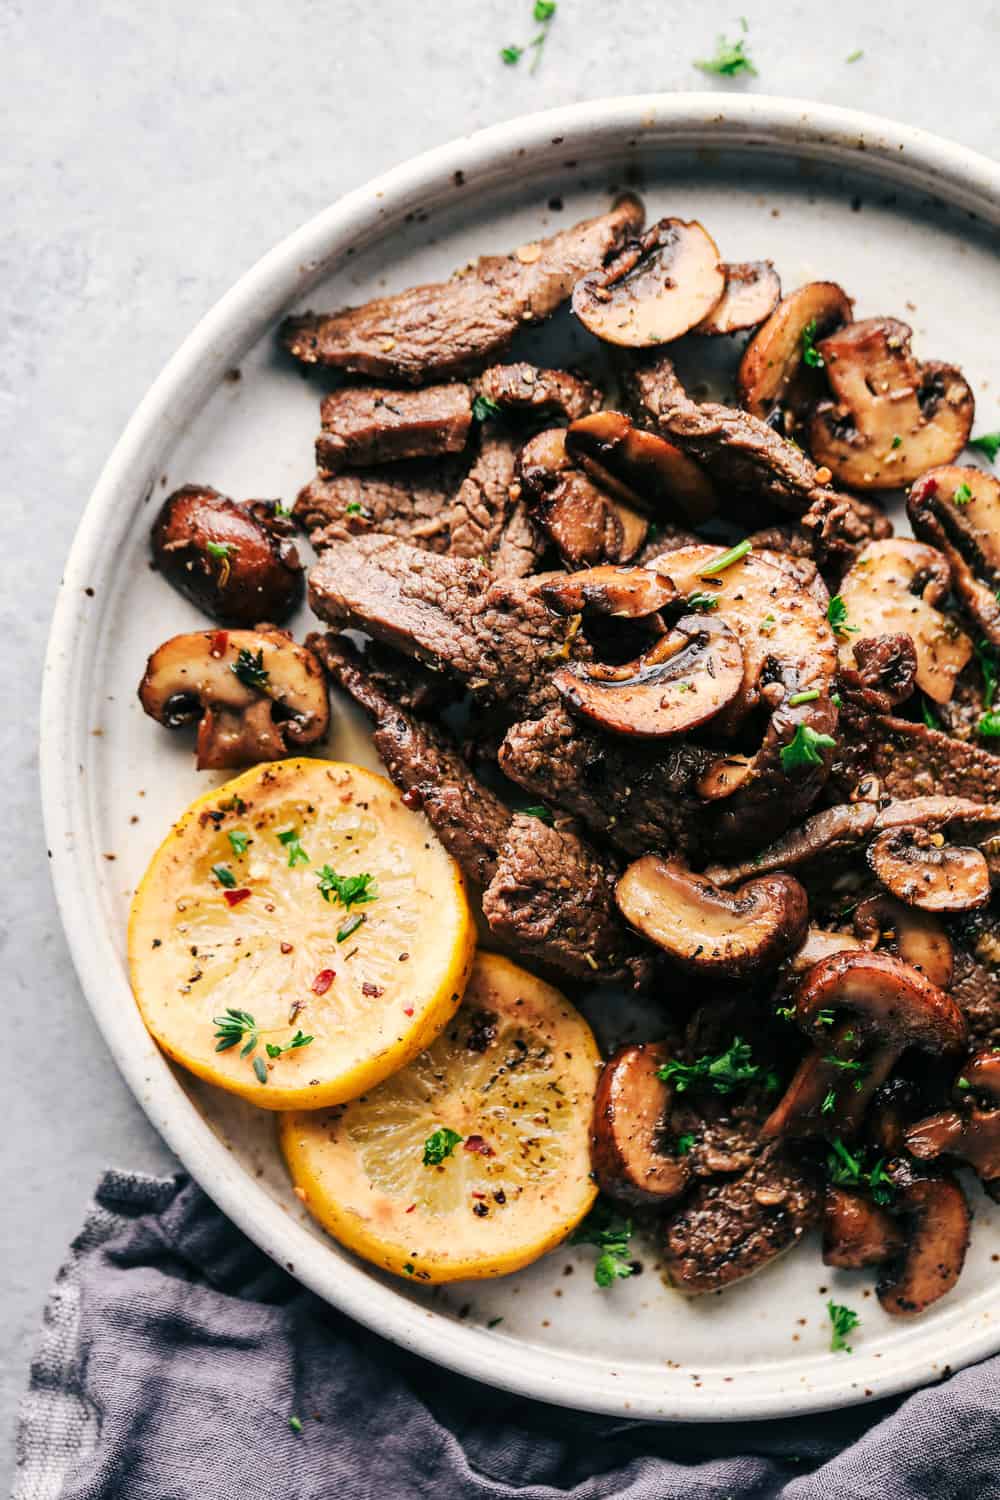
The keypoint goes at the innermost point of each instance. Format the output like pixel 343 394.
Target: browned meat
pixel 495 635
pixel 886 665
pixel 452 327
pixel 364 425
pixel 527 387
pixel 409 500
pixel 728 1230
pixel 664 537
pixel 975 987
pixel 961 715
pixel 482 509
pixel 910 760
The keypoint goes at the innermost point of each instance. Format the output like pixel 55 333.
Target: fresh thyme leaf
pixel 238 841
pixel 250 669
pixel 684 1144
pixel 296 854
pixel 727 559
pixel 804 747
pixel 511 55
pixel 927 713
pixel 484 409
pixel 730 60
pixel 962 495
pixel 988 443
pixel 810 354
pixel 224 876
pixel 543 814
pixel 351 925
pixel 836 614
pixel 842 1321
pixel 808 697
pixel 699 600
pixel 260 1068
pixel 606 1229
pixel 728 1070
pixel 440 1144
pixel 232 1027
pixel 349 890
pixel 298 1040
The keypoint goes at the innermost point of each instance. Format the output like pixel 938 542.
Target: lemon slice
pixel 475 1159
pixel 300 901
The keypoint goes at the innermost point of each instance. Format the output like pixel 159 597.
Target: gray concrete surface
pixel 152 152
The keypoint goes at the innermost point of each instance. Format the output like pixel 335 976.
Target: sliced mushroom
pixel 235 562
pixel 686 677
pixel 923 870
pixel 891 418
pixel 656 288
pixel 971 1135
pixel 255 694
pixel 938 1222
pixel 880 1008
pixel 914 936
pixel 819 943
pixel 628 593
pixel 894 587
pixel 856 1231
pixel 641 468
pixel 958 510
pixel 751 295
pixel 707 930
pixel 587 524
pixel 773 358
pixel 629 1155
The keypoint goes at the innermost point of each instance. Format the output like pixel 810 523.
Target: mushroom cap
pixel 924 871
pixel 939 1223
pixel 751 295
pixel 655 289
pixel 967 531
pixel 891 418
pixel 641 468
pixel 685 678
pixel 281 702
pixel 856 1231
pixel 915 936
pixel 724 933
pixel 626 593
pixel 773 358
pixel 887 1000
pixel 589 525
pixel 630 1114
pixel 893 588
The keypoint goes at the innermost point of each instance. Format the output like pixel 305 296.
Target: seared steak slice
pixel 482 509
pixel 910 760
pixel 637 797
pixel 728 1230
pixel 408 500
pixel 453 327
pixel 526 387
pixel 547 894
pixel 975 988
pixel 495 635
pixel 364 425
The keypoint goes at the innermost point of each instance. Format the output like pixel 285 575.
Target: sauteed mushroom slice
pixel 706 930
pixel 957 510
pixel 856 1231
pixel 238 563
pixel 891 418
pixel 685 678
pixel 893 588
pixel 751 295
pixel 255 694
pixel 587 524
pixel 924 871
pixel 641 468
pixel 629 1153
pixel 937 1218
pixel 971 1135
pixel 628 593
pixel 773 358
pixel 656 288
pixel 880 1007
pixel 915 936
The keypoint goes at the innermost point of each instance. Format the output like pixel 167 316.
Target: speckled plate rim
pixel 487 159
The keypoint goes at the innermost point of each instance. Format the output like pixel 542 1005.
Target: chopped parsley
pixel 349 890
pixel 439 1145
pixel 295 1424
pixel 725 1072
pixel 767 625
pixel 605 1228
pixel 484 409
pixel 989 666
pixel 220 550
pixel 727 559
pixel 853 57
pixel 250 670
pixel 232 1027
pixel 543 814
pixel 989 725
pixel 224 876
pixel 847 1064
pixel 684 1144
pixel 729 61
pixel 803 749
pixel 296 854
pixel 842 1321
pixel 897 442
pixel 238 841
pixel 785 1012
pixel 829 1103
pixel 836 700
pixel 511 55
pixel 810 354
pixel 699 600
pixel 542 12
pixel 963 1084
pixel 355 508
pixel 298 1040
pixel 962 495
pixel 988 443
pixel 847 1170
pixel 927 713
pixel 807 697
pixel 836 614
pixel 282 510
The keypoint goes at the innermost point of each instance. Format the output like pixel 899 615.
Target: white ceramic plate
pixel 907 223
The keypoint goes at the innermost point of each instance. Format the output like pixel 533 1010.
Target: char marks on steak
pixel 495 635
pixel 454 327
pixel 365 425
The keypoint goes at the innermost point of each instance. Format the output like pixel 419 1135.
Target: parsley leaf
pixel 989 725
pixel 730 60
pixel 836 613
pixel 804 747
pixel 927 713
pixel 829 1103
pixel 962 495
pixel 224 876
pixel 296 854
pixel 440 1144
pixel 484 409
pixel 238 841
pixel 543 814
pixel 847 1170
pixel 842 1320
pixel 684 1144
pixel 606 1229
pixel 727 1071
pixel 810 354
pixel 544 10
pixel 511 55
pixel 988 443
pixel 355 508
pixel 250 669
pixel 349 890
pixel 295 1424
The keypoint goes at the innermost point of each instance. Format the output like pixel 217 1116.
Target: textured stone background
pixel 152 152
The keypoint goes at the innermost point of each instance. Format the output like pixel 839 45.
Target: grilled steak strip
pixel 453 327
pixel 911 760
pixel 521 386
pixel 364 425
pixel 495 635
pixel 409 500
pixel 547 893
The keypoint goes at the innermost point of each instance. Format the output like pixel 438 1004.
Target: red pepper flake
pixel 323 981
pixel 413 799
pixel 477 1144
pixel 411 1208
pixel 373 991
pixel 479 1195
pixel 220 643
pixel 286 947
pixel 407 1010
pixel 233 898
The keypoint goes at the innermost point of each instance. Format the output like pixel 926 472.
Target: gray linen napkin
pixel 173 1355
